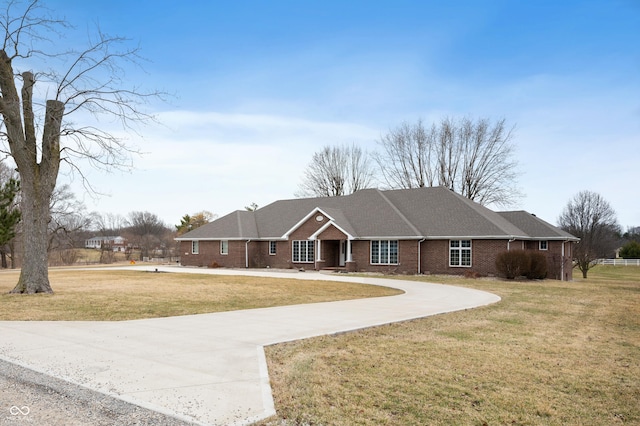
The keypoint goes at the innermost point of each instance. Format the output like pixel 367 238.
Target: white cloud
pixel 219 162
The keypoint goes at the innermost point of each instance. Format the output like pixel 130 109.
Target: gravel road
pixel 28 397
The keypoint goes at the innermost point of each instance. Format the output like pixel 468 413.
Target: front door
pixel 343 252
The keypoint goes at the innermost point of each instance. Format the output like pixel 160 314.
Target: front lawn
pixel 111 295
pixel 550 353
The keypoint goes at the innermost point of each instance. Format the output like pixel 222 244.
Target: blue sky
pixel 260 85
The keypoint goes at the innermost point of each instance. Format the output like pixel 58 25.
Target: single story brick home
pixel 406 231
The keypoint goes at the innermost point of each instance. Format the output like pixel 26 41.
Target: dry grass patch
pixel 550 352
pixel 123 295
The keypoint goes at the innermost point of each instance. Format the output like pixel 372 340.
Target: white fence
pixel 619 262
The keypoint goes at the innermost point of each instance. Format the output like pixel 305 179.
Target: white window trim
pixel 224 243
pixel 273 244
pixel 397 262
pixel 460 249
pixel 195 247
pixel 306 244
pixel 546 245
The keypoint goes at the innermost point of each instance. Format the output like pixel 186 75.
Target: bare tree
pixel 147 232
pixel 448 152
pixel 633 233
pixel 68 219
pixel 336 170
pixel 473 158
pixel 38 131
pixel 108 224
pixel 591 218
pixel 408 156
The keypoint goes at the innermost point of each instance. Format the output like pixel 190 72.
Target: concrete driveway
pixel 210 369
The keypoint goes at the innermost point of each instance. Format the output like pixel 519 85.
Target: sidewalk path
pixel 210 369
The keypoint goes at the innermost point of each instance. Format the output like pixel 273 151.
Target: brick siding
pixel 435 257
pixel 407 258
pixel 332 233
pixel 434 254
pixel 209 254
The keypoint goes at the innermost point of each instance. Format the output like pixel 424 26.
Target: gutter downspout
pixel 509 243
pixel 419 255
pixel 562 262
pixel 246 254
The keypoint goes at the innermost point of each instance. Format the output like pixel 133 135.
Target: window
pixel 460 253
pixel 384 252
pixel 303 251
pixel 195 247
pixel 224 247
pixel 272 247
pixel 543 245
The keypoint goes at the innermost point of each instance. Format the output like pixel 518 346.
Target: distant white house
pixel 116 243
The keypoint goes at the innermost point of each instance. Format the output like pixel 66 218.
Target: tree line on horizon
pixel 70 224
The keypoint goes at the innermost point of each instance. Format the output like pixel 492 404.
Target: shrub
pixel 512 263
pixel 68 256
pixel 537 266
pixel 472 274
pixel 631 250
pixel 107 256
pixel 516 263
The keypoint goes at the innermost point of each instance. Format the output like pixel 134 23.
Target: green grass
pixel 550 353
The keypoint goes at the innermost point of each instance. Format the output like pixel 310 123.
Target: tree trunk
pixel 34 274
pixel 37 178
pixel 584 265
pixel 12 254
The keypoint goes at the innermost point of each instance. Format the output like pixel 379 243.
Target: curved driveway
pixel 210 369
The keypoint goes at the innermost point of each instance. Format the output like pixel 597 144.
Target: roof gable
pixel 327 226
pixel 315 212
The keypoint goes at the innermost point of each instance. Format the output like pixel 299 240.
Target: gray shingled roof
pixel 439 212
pixel 536 227
pixel 236 225
pixel 371 213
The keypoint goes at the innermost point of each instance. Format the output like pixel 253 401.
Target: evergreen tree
pixel 9 215
pixel 631 250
